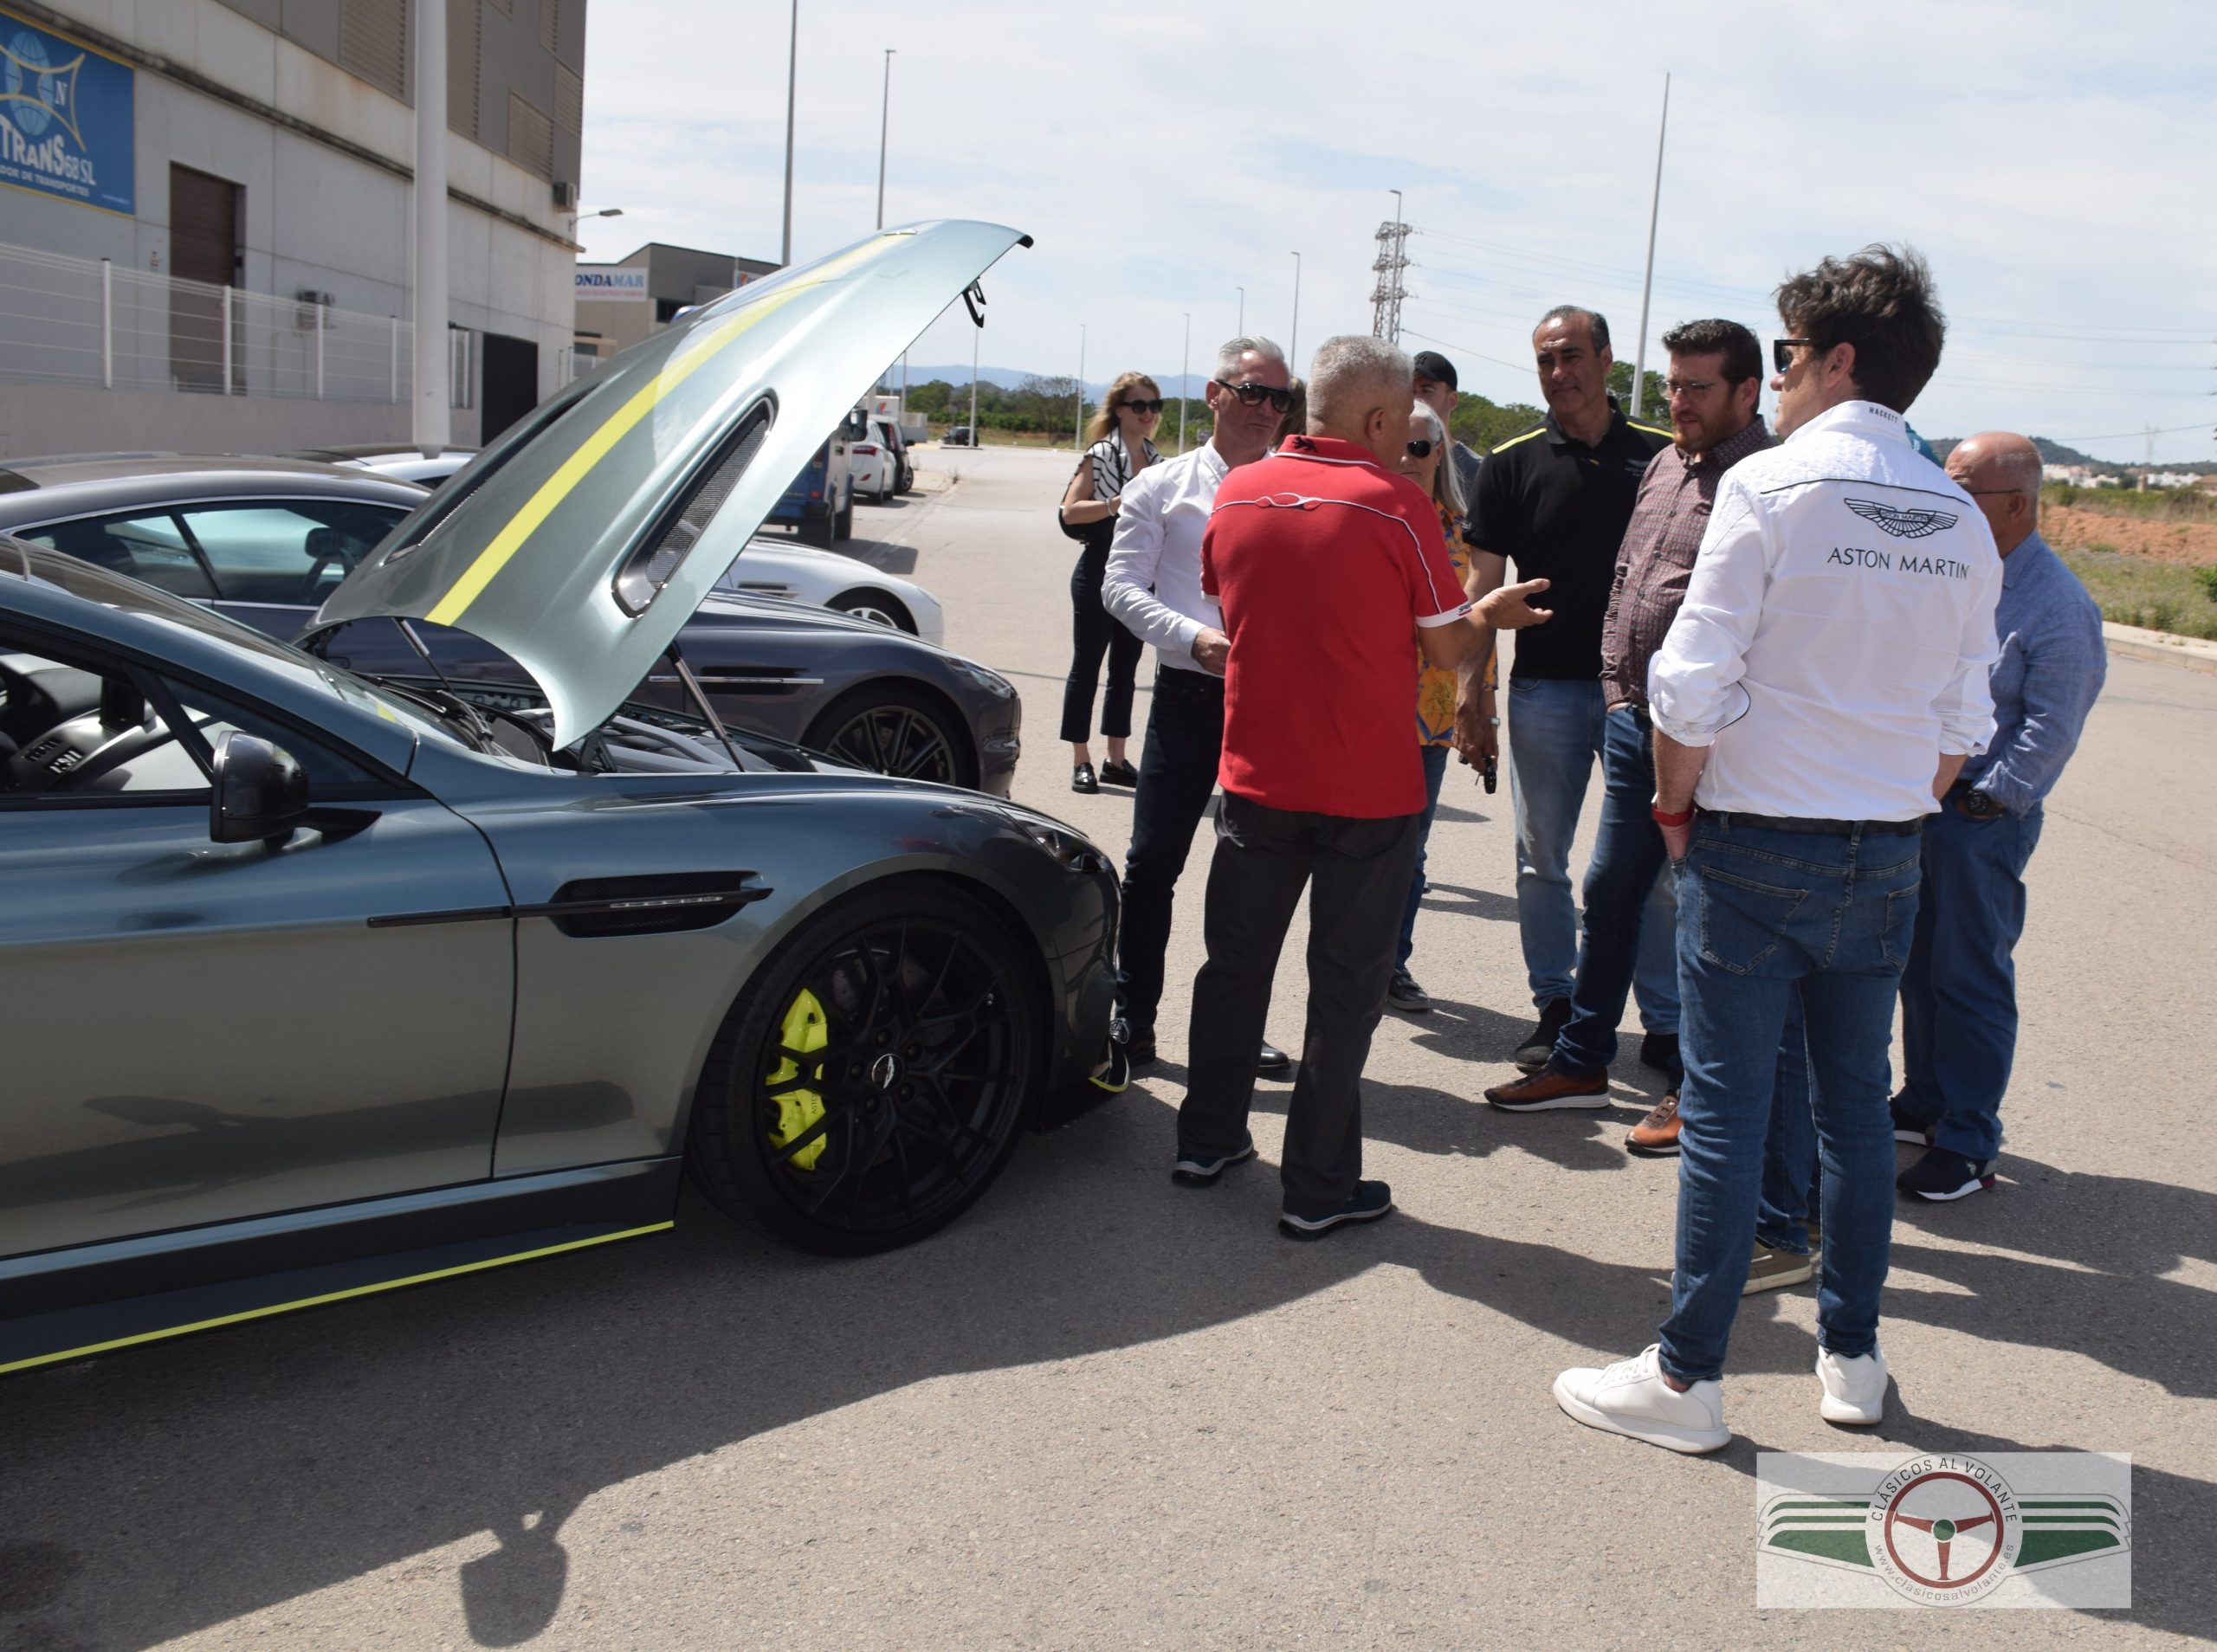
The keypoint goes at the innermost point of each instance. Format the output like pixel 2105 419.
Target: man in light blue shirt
pixel 1959 993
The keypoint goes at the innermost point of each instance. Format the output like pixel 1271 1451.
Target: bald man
pixel 1959 993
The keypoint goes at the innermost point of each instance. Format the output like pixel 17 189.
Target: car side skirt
pixel 97 1299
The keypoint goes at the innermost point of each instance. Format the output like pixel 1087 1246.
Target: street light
pixel 884 115
pixel 1240 332
pixel 1293 355
pixel 1185 357
pixel 580 214
pixel 1078 434
pixel 792 78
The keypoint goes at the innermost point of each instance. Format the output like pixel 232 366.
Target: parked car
pixel 417 982
pixel 961 436
pixel 889 437
pixel 876 467
pixel 264 540
pixel 401 462
pixel 819 503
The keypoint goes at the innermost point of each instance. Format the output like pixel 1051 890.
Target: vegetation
pixel 2159 596
pixel 2158 504
pixel 1040 407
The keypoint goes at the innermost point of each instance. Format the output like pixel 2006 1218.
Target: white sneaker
pixel 1855 1389
pixel 1631 1398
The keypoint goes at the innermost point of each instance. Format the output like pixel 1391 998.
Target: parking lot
pixel 1102 1411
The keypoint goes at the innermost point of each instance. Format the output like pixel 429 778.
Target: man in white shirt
pixel 1823 682
pixel 1154 585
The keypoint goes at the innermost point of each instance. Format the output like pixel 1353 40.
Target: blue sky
pixel 2050 161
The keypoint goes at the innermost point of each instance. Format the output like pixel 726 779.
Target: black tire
pixel 820 528
pixel 870 1083
pixel 908 478
pixel 877 605
pixel 897 728
pixel 845 527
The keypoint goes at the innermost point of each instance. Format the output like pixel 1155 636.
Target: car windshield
pixel 127 595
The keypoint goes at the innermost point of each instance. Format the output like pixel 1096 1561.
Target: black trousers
pixel 1096 632
pixel 1184 739
pixel 1357 873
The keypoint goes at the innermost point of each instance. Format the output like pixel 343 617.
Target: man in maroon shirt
pixel 1326 564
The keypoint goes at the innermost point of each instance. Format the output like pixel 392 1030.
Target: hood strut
pixel 693 687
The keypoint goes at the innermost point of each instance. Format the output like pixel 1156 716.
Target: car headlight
pixel 994 684
pixel 1064 846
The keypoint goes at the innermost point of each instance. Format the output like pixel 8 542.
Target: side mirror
pixel 260 793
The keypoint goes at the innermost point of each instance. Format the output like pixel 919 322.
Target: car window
pixel 150 546
pixel 295 552
pixel 76 728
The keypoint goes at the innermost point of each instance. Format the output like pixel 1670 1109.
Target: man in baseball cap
pixel 1438 388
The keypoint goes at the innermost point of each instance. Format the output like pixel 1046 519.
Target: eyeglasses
pixel 1991 492
pixel 1778 348
pixel 1143 408
pixel 1256 394
pixel 1420 448
pixel 1688 386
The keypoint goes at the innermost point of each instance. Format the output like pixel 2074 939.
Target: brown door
pixel 204 247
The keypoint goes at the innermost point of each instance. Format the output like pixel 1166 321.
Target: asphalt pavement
pixel 1101 1412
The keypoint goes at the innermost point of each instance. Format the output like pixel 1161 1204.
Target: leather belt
pixel 1727 819
pixel 1195 685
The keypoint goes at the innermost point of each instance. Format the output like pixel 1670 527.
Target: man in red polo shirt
pixel 1325 563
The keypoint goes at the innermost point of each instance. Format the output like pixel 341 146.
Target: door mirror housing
pixel 260 793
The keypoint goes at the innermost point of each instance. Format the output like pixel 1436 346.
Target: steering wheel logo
pixel 1945 1531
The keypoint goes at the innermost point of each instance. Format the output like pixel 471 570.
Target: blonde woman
pixel 1423 463
pixel 1122 437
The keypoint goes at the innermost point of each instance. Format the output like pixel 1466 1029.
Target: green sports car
pixel 318 984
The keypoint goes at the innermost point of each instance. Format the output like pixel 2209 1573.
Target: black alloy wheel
pixel 870 1084
pixel 893 729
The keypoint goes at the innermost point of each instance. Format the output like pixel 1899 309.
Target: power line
pixel 2136 435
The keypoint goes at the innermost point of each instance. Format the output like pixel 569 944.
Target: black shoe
pixel 1539 1044
pixel 1660 1051
pixel 1272 1060
pixel 1369 1201
pixel 1915 1132
pixel 1083 780
pixel 1114 773
pixel 1199 1170
pixel 1404 994
pixel 1943 1174
pixel 1138 1046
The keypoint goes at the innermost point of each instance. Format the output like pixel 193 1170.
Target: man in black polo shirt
pixel 1556 501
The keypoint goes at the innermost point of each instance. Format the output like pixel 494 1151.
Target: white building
pixel 264 146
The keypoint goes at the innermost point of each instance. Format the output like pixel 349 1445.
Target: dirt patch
pixel 2068 528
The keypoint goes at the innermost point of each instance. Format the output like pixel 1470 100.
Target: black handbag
pixel 1094 536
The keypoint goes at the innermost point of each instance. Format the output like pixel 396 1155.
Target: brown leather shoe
pixel 1656 1135
pixel 1548 1089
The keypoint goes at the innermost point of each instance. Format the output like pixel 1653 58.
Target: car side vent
pixel 658 904
pixel 649 568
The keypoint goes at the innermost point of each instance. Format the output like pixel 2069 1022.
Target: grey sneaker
pixel 1404 994
pixel 1206 1169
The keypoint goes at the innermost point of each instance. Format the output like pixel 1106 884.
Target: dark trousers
pixel 1357 875
pixel 1959 994
pixel 1096 632
pixel 1184 739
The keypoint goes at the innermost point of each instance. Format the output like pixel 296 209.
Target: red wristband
pixel 1682 818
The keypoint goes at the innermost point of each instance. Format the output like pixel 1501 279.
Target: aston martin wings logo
pixel 1900 525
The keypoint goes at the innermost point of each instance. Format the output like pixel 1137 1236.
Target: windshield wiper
pixel 450 708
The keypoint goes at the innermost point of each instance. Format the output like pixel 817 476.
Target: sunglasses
pixel 1143 408
pixel 1420 448
pixel 1256 394
pixel 1781 352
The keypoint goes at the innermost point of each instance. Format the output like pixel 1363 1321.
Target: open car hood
pixel 581 541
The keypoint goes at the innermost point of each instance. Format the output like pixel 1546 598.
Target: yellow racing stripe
pixel 328 1296
pixel 557 488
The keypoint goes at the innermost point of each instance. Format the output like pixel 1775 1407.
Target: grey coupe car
pixel 418 980
pixel 265 541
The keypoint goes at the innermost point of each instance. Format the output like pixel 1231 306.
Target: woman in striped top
pixel 1121 447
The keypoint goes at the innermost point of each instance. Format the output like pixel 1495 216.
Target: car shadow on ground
pixel 157 1492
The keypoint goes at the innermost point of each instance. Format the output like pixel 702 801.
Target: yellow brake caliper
pixel 807 1030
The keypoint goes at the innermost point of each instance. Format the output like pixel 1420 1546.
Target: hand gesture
pixel 1507 609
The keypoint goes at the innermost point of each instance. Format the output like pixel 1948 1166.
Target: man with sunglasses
pixel 1556 501
pixel 1154 585
pixel 1823 683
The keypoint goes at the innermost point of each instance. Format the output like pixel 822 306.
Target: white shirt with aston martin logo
pixel 1837 629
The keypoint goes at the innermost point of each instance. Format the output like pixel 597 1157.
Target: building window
pixel 464 30
pixel 531 138
pixel 550 22
pixel 373 43
pixel 569 100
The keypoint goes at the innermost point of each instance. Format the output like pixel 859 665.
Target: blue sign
pixel 65 119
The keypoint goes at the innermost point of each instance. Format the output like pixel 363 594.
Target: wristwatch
pixel 1979 806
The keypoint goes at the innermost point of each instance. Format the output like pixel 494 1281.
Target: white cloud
pixel 2050 161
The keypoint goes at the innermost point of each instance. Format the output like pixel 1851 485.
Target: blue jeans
pixel 1959 994
pixel 1630 906
pixel 1790 1148
pixel 1762 913
pixel 1435 773
pixel 1555 730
